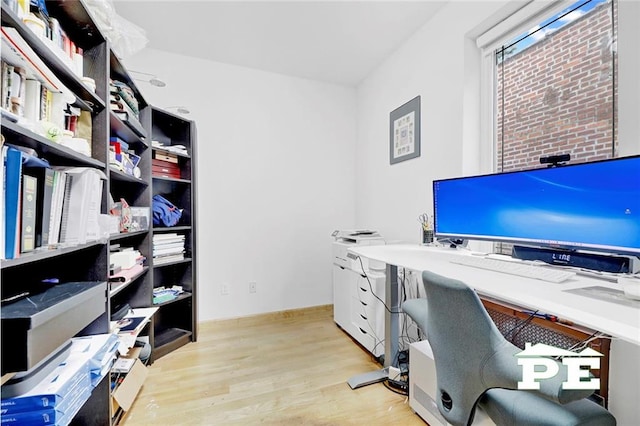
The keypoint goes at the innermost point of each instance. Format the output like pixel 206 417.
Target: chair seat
pixel 520 408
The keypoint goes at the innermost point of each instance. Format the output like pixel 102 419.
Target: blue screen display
pixel 593 206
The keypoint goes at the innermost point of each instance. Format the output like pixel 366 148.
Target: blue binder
pixel 13 184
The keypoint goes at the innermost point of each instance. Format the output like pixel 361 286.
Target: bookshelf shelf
pixel 169 340
pixel 57 153
pixel 62 71
pixel 181 297
pixel 120 129
pixel 39 255
pixel 124 235
pixel 176 262
pixel 157 230
pixel 177 153
pixel 115 288
pixel 171 180
pixel 121 176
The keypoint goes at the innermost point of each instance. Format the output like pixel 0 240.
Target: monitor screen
pixel 591 206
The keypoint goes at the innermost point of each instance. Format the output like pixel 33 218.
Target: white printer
pixel 356 287
pixel 349 238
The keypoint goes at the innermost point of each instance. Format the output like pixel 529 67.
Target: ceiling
pixel 333 41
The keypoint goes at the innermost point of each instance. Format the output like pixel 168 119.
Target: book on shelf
pixel 13 88
pixel 140 317
pixel 130 323
pixel 168 236
pixel 178 149
pixel 45 178
pixel 57 201
pixel 82 202
pixel 168 251
pixel 28 220
pixel 3 157
pixel 12 201
pixel 159 260
pixel 168 241
pixel 114 140
pixel 17 52
pixel 120 91
pixel 170 244
pixel 32 104
pixel 165 169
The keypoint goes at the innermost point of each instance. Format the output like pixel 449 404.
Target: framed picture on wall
pixel 404 132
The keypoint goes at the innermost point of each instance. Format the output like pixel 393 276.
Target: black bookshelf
pixel 176 321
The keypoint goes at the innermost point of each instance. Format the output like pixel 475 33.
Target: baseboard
pixel 277 315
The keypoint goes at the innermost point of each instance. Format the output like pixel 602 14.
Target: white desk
pixel 613 319
pixel 619 321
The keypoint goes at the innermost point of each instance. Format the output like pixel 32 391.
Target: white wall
pixel 431 64
pixel 442 64
pixel 276 176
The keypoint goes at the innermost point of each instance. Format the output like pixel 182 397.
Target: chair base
pixel 510 407
pixel 369 378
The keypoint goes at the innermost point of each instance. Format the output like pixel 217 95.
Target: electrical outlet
pixel 252 287
pixel 224 289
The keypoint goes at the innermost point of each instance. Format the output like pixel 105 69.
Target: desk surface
pixel 611 318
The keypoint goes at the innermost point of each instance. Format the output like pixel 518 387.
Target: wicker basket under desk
pixel 508 319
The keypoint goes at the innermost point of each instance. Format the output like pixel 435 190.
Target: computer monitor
pixel 589 206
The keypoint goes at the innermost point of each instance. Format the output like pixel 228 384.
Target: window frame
pixel 517 23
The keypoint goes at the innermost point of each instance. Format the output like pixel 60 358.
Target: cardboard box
pixel 126 393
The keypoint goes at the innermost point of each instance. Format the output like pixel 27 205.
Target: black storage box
pixel 35 326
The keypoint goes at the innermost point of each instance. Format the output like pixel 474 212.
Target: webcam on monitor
pixel 555 160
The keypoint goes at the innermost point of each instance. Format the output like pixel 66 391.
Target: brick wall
pixel 558 96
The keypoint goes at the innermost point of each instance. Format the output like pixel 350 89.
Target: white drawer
pixel 359 315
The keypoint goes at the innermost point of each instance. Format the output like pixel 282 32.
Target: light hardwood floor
pixel 287 368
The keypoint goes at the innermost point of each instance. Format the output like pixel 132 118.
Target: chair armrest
pixel 417 309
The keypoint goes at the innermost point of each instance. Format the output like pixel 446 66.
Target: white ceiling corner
pixel 332 41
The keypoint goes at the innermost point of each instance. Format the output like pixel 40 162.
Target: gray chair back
pixel 470 353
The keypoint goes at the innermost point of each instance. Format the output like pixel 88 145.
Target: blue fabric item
pixel 164 212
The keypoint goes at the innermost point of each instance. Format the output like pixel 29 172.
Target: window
pixel 553 85
pixel 555 89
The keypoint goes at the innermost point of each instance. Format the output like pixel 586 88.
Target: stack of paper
pixel 61 394
pixel 56 399
pixel 101 352
pixel 167 248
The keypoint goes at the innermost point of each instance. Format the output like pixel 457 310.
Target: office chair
pixel 475 365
